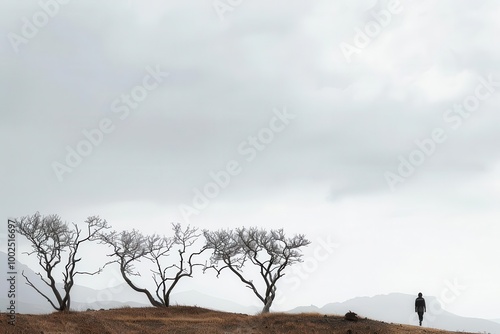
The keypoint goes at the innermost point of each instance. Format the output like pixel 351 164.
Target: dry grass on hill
pixel 183 319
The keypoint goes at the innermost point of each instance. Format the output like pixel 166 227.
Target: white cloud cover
pixel 323 175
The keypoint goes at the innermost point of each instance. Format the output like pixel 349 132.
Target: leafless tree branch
pixel 50 238
pixel 132 246
pixel 270 251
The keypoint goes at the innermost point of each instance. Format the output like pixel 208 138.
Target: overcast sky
pixel 370 126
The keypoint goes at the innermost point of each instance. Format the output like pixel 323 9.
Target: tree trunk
pixel 151 299
pixel 68 303
pixel 267 306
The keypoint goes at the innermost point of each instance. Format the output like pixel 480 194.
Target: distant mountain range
pixel 398 308
pixel 83 298
pixel 394 307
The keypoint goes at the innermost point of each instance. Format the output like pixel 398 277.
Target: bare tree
pixel 270 251
pixel 50 238
pixel 131 247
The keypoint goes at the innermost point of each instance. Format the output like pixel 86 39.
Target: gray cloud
pixel 353 120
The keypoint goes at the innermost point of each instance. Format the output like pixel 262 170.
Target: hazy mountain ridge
pixel 83 298
pixel 398 308
pixel 386 308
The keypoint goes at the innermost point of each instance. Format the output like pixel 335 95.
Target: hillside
pixel 398 308
pixel 180 319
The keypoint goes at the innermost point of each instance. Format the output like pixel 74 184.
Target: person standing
pixel 420 307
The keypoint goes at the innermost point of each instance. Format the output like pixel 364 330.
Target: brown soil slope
pixel 180 319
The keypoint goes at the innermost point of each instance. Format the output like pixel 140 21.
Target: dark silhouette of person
pixel 420 307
